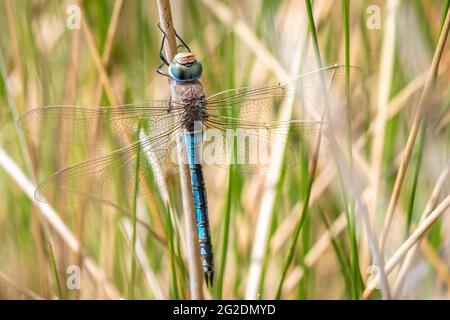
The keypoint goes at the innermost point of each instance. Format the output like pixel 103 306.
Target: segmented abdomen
pixel 193 142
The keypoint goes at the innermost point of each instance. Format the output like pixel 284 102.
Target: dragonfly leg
pixel 161 56
pixel 182 42
pixel 160 70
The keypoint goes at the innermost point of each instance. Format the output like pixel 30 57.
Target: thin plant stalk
pixel 110 93
pixel 133 223
pixel 226 231
pixel 170 242
pixel 350 207
pixel 340 254
pixel 142 258
pixel 231 83
pixel 192 254
pixel 412 196
pixel 446 7
pixel 55 271
pixel 386 66
pixel 107 48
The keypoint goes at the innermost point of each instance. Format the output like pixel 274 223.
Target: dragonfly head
pixel 185 67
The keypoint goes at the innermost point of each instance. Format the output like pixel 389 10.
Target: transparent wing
pixel 66 124
pixel 115 175
pixel 306 86
pixel 255 117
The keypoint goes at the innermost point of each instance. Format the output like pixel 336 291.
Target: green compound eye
pixel 185 67
pixel 196 70
pixel 178 71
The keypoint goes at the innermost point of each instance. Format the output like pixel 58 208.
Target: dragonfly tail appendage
pixel 201 207
pixel 209 277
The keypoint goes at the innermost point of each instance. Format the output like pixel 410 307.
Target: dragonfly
pixel 152 132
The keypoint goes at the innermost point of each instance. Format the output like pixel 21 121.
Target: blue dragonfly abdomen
pixel 193 143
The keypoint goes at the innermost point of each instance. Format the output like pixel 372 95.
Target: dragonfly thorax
pixel 195 111
pixel 192 96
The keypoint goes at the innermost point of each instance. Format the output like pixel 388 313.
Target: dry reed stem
pixel 408 244
pixel 192 254
pixel 99 64
pixel 384 87
pixel 414 130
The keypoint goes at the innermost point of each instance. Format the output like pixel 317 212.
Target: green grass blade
pixel 412 197
pixel 172 254
pixel 226 231
pixel 444 15
pixel 133 222
pixel 339 250
pixel 55 271
pixel 312 30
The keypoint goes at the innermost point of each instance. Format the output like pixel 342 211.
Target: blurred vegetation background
pixel 112 58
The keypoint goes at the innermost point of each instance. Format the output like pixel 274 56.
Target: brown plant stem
pixel 192 254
